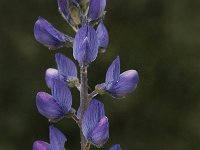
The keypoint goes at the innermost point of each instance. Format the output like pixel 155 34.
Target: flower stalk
pixel 83 102
pixel 92 95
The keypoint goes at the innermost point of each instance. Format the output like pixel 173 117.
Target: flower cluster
pixel 86 18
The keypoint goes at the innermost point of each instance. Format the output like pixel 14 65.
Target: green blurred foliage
pixel 159 38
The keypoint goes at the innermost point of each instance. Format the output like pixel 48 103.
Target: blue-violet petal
pixel 103 37
pixel 50 37
pixel 62 95
pixel 85 46
pixel 66 67
pixel 63 6
pixel 113 72
pixel 92 116
pixel 127 83
pixel 47 106
pixel 50 75
pixel 96 9
pixel 41 145
pixel 100 134
pixel 57 139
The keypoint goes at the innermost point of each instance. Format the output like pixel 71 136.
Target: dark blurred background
pixel 159 38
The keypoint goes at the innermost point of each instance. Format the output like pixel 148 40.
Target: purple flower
pixel 57 105
pixel 95 124
pixel 66 68
pixel 57 141
pixel 115 147
pixel 96 9
pixel 66 72
pixel 85 46
pixel 119 85
pixel 103 37
pixel 50 37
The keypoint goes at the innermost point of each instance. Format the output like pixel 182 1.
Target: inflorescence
pixel 86 19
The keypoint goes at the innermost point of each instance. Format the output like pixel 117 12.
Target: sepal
pixel 100 88
pixel 71 113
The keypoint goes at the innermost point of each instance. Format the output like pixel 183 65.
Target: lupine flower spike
pixel 86 19
pixel 57 141
pixel 116 84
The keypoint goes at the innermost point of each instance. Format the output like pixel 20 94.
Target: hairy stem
pixel 92 95
pixel 83 101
